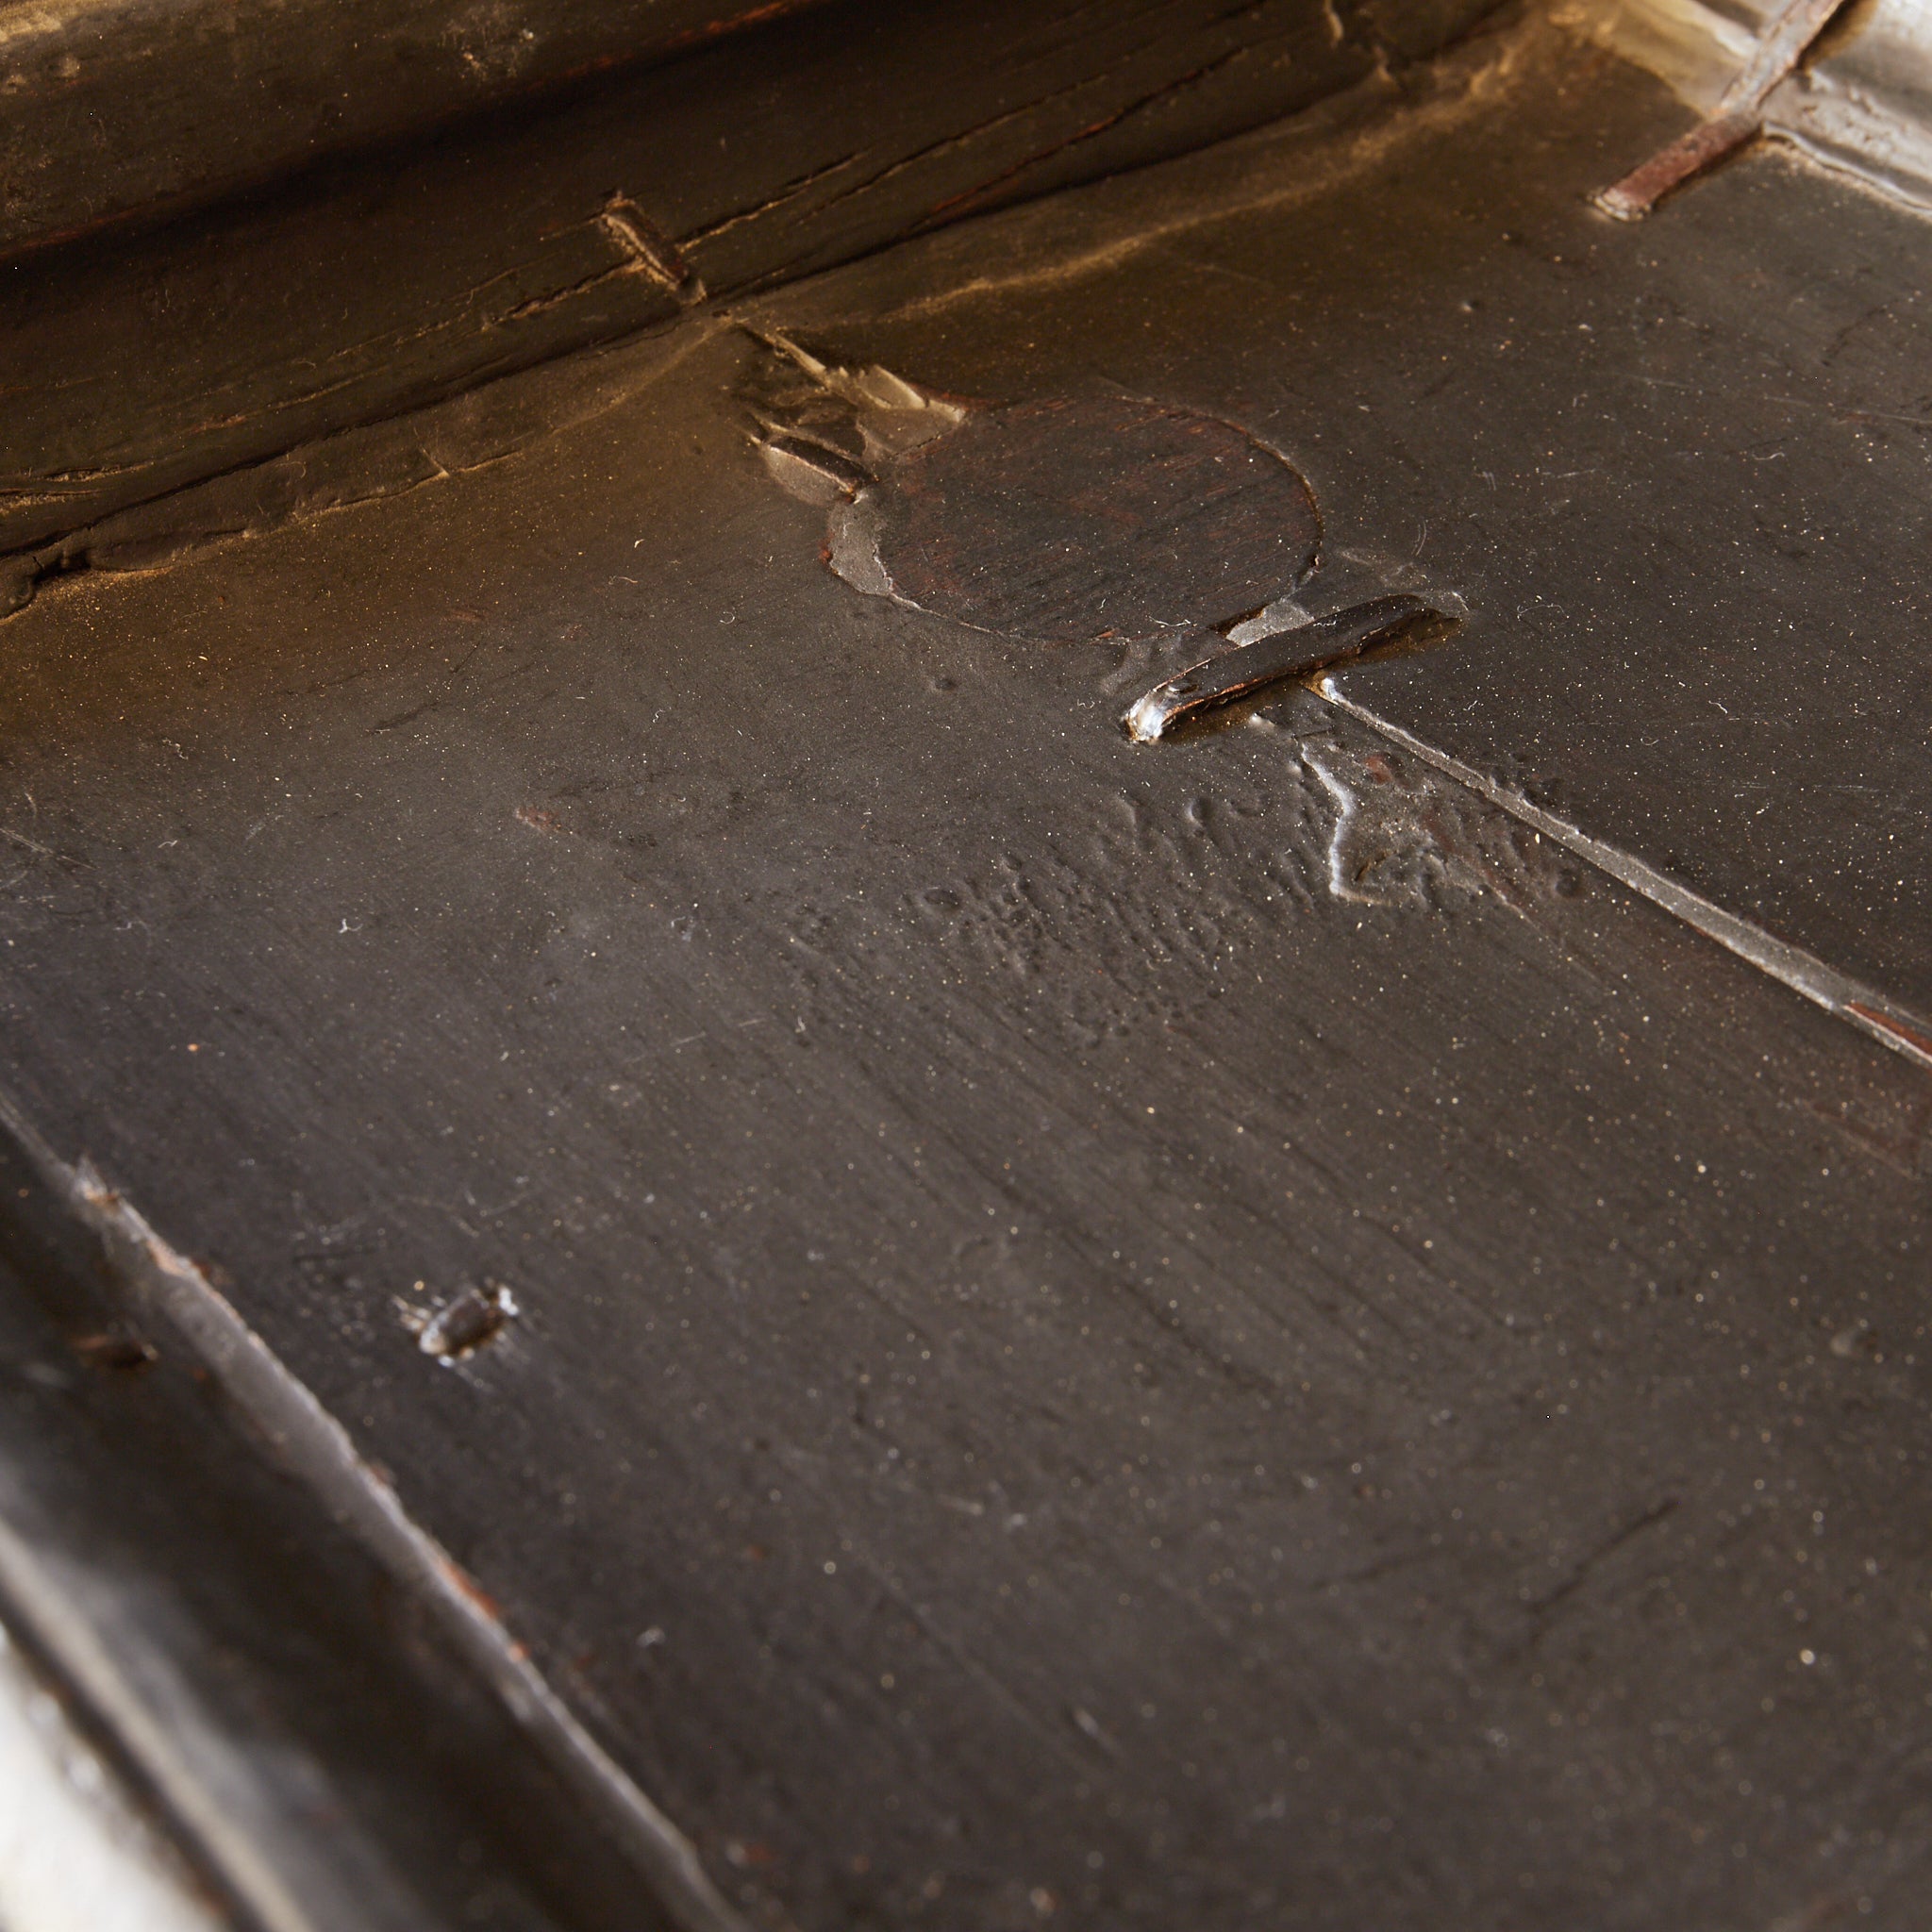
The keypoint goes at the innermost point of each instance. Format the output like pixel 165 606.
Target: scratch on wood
pixel 649 249
pixel 1541 1606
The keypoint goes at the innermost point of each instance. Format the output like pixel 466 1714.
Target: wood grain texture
pixel 1090 520
pixel 1684 501
pixel 115 108
pixel 1204 1334
pixel 137 367
pixel 1192 1333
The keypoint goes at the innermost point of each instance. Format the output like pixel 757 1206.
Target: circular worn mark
pixel 1074 522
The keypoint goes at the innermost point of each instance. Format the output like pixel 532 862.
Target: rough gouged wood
pixel 1550 419
pixel 115 108
pixel 137 367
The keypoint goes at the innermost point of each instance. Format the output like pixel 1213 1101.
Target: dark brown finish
pixel 124 107
pixel 136 367
pixel 1679 471
pixel 1082 521
pixel 300 1698
pixel 1208 1337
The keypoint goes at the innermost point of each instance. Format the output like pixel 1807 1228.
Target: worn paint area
pixel 1081 521
pixel 1398 835
pixel 1058 520
pixel 1112 520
